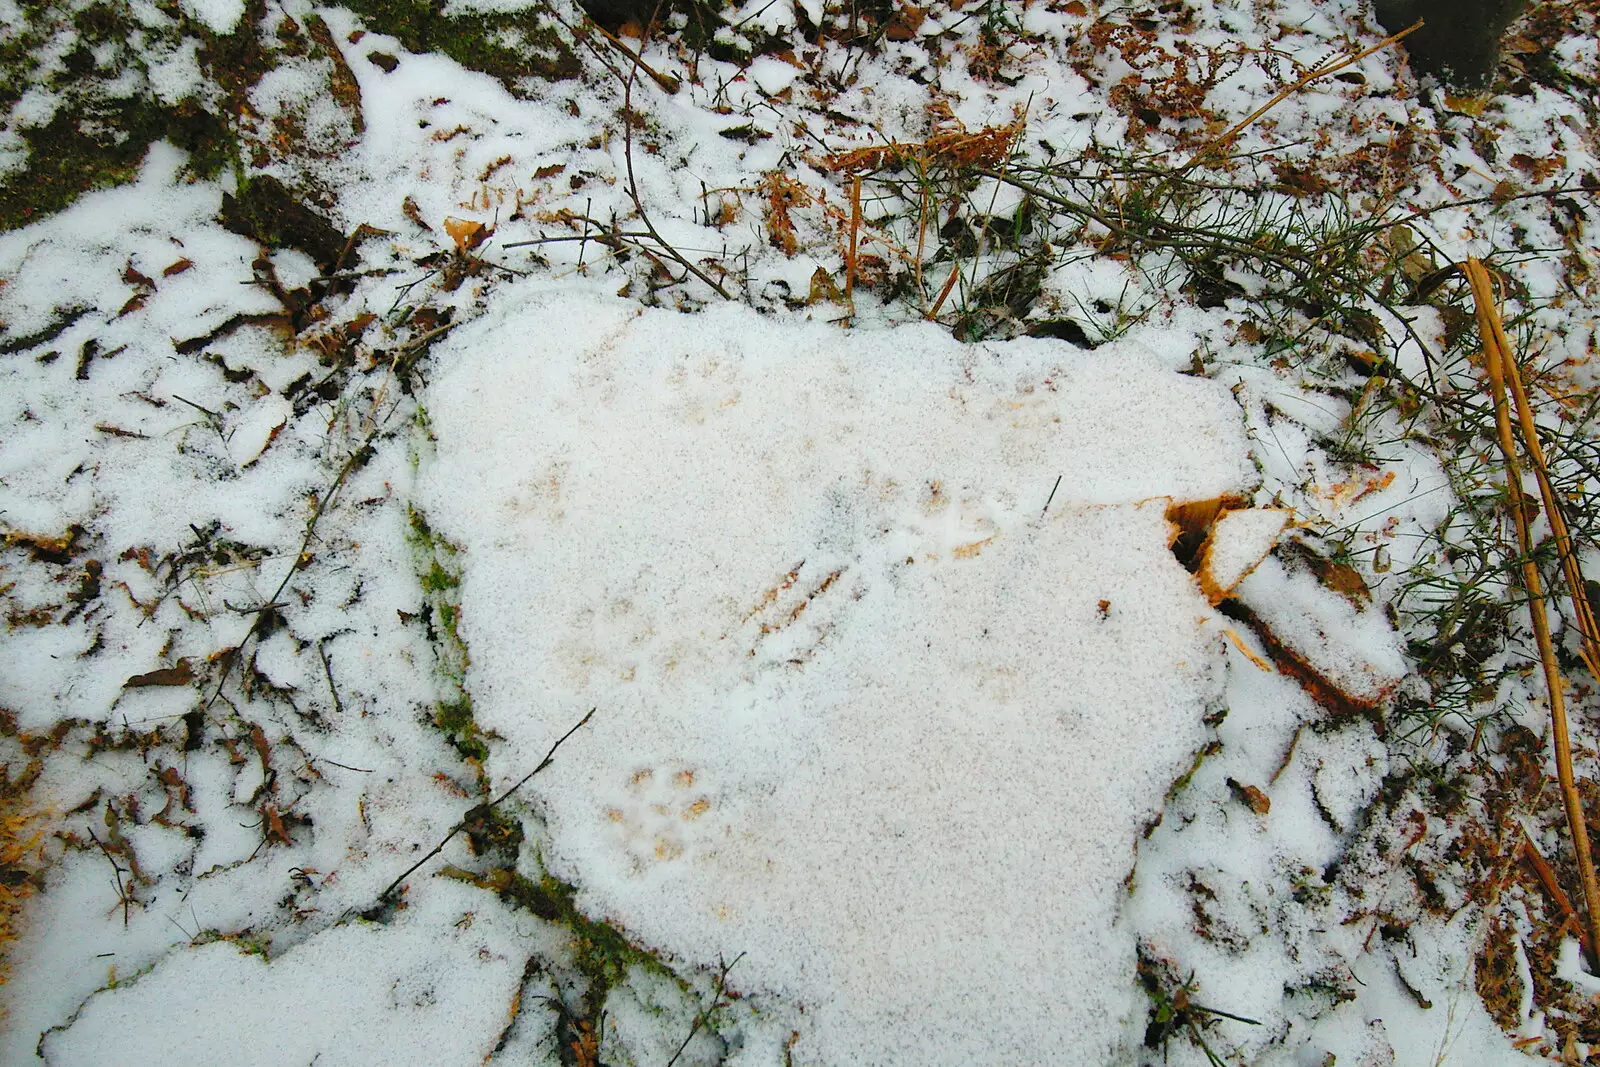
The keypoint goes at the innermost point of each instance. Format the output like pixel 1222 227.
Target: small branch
pixel 299 557
pixel 482 809
pixel 122 894
pixel 1052 495
pixel 1552 886
pixel 855 232
pixel 705 1013
pixel 638 202
pixel 327 670
pixel 342 766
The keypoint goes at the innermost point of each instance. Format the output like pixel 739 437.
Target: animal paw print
pixel 942 526
pixel 656 822
pixel 793 618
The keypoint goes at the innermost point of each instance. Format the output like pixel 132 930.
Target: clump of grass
pixel 1173 1010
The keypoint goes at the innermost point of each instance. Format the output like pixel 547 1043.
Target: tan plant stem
pixel 667 82
pixel 1501 367
pixel 944 293
pixel 1582 610
pixel 855 234
pixel 1322 70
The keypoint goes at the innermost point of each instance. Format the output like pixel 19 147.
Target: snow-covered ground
pixel 919 734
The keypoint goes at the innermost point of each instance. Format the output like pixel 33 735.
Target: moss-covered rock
pixel 509 45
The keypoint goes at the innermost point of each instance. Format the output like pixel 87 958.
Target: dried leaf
pixel 1339 577
pixel 1538 169
pixel 784 194
pixel 181 674
pixel 1504 190
pixel 1251 797
pixel 904 23
pixel 258 740
pixel 823 288
pixel 466 233
pixel 273 820
pixel 408 208
pixel 177 268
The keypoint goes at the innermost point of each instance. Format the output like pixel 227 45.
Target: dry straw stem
pixel 1552 885
pixel 1322 70
pixel 855 233
pixel 1503 372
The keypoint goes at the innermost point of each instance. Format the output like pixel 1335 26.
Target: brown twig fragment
pixel 1502 369
pixel 855 233
pixel 944 293
pixel 1552 886
pixel 667 82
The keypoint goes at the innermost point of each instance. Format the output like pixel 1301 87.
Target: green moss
pixel 437 579
pixel 81 151
pixel 100 131
pixel 454 719
pixel 603 953
pixel 439 576
pixel 509 45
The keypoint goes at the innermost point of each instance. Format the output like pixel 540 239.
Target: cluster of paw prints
pixel 657 820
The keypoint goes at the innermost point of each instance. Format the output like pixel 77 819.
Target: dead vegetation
pixel 1312 246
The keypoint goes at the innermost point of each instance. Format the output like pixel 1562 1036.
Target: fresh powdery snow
pixel 914 738
pixel 871 717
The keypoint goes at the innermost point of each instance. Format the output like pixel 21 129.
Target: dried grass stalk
pixel 1504 376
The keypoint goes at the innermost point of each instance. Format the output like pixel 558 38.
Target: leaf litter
pixel 920 779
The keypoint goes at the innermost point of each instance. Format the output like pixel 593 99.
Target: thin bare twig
pixel 123 897
pixel 638 202
pixel 481 810
pixel 704 1014
pixel 323 503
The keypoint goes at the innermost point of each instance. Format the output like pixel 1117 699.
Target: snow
pixel 1237 544
pixel 401 994
pixel 853 680
pixel 913 741
pixel 221 16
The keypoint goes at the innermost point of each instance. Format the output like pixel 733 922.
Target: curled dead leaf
pixel 1251 797
pixel 180 674
pixel 466 233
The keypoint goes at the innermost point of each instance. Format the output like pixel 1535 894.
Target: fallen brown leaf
pixel 466 233
pixel 181 674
